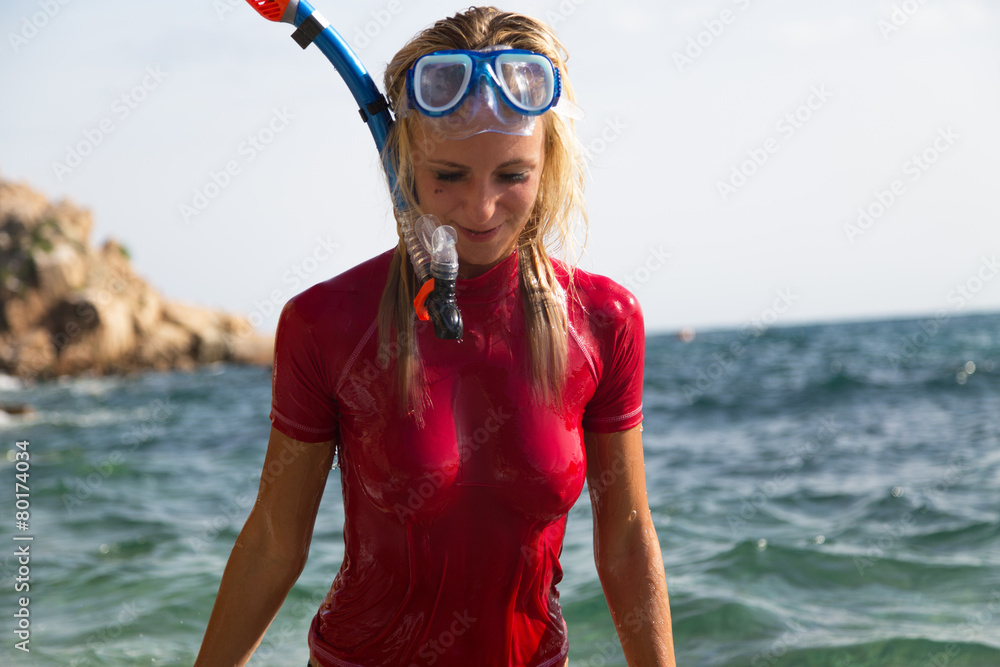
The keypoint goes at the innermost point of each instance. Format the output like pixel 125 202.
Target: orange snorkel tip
pixel 419 303
pixel 272 10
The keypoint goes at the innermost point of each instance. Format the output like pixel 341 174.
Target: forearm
pixel 635 587
pixel 254 585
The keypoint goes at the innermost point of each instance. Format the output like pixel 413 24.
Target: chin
pixel 484 257
pixel 480 257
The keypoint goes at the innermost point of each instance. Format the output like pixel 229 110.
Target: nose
pixel 480 205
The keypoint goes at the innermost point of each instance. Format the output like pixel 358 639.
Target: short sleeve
pixel 618 325
pixel 302 406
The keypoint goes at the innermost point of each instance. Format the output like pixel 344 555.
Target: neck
pixel 467 270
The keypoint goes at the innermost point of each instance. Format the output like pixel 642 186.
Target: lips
pixel 479 237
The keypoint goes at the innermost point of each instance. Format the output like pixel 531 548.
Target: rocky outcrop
pixel 67 307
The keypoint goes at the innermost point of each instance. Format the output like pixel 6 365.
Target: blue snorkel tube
pixel 431 246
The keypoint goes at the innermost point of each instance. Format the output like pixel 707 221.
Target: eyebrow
pixel 457 165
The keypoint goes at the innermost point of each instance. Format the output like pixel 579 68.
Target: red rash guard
pixel 452 531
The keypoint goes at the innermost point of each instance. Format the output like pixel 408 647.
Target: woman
pixel 459 459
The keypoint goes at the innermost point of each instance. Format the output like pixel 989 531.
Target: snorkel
pixel 430 245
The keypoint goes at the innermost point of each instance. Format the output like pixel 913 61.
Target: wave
pixel 92 418
pixel 9 421
pixel 890 652
pixel 10 383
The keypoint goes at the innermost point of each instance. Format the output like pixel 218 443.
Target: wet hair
pixel 559 206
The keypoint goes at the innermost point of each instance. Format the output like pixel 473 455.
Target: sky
pixel 768 160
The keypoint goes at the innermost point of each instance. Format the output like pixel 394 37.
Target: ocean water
pixel 823 495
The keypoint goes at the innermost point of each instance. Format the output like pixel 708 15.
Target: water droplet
pixel 761 544
pixel 819 539
pixel 897 491
pixel 961 377
pixel 105 548
pixel 633 515
pixel 970 367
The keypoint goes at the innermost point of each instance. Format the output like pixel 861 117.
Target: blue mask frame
pixel 477 66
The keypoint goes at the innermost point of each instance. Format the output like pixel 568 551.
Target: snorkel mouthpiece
pixel 444 312
pixel 431 247
pixel 441 304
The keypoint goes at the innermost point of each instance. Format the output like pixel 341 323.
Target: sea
pixel 823 495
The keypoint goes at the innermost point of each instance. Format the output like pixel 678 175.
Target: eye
pixel 518 177
pixel 448 176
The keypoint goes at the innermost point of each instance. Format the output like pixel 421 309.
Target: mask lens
pixel 527 81
pixel 441 82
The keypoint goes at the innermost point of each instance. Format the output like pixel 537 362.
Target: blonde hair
pixel 558 205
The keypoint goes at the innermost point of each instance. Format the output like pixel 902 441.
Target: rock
pixel 20 202
pixel 148 313
pixel 59 271
pixel 33 355
pixel 164 346
pixel 19 316
pixel 254 350
pixel 17 408
pixel 66 308
pixel 205 326
pixel 75 223
pixel 115 334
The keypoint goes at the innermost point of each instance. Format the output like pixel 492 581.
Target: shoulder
pixel 350 298
pixel 601 300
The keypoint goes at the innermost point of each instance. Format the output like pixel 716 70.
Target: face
pixel 484 186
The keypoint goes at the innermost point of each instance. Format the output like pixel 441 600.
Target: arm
pixel 270 551
pixel 626 549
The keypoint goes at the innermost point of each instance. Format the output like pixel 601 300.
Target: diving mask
pixel 499 89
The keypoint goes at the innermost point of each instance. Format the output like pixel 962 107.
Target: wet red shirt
pixel 452 531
